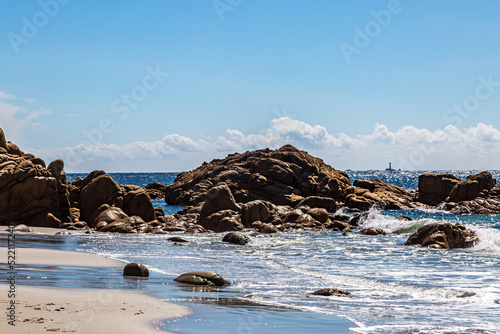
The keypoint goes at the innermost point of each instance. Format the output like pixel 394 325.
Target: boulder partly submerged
pixel 443 235
pixel 331 292
pixel 236 238
pixel 207 278
pixel 135 270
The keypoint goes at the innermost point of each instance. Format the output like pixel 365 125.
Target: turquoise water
pixel 395 288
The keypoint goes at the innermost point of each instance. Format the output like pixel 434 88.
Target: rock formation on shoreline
pixel 30 193
pixel 265 190
pixel 36 195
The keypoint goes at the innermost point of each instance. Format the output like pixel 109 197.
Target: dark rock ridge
pixel 443 235
pixel 267 190
pixel 487 202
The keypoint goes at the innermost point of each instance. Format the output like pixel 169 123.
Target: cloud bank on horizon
pixel 407 148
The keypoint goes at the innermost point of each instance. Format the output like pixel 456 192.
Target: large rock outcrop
pixel 477 194
pixel 471 187
pixel 29 193
pixel 282 177
pixel 102 189
pixel 435 188
pixel 36 195
pixel 267 190
pixel 486 203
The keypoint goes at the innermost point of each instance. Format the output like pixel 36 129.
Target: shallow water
pixel 395 288
pixel 214 310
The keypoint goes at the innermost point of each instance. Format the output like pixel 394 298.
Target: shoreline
pixel 73 310
pixel 189 313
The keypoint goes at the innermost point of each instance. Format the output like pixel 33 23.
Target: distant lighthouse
pixel 390 168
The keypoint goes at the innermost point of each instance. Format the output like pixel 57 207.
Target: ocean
pixel 394 288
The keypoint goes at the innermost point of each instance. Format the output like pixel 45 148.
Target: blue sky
pixel 166 85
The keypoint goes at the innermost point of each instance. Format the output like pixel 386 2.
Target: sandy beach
pixel 36 229
pixel 49 257
pixel 42 310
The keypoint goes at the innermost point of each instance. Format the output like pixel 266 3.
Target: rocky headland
pixel 265 190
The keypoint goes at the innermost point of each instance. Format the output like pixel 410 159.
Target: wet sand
pixel 63 310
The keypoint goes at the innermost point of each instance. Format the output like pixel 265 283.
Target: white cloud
pixel 408 148
pixel 5 96
pixel 15 118
pixel 176 143
pixel 381 134
pixel 8 120
pixel 284 131
pixel 484 133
